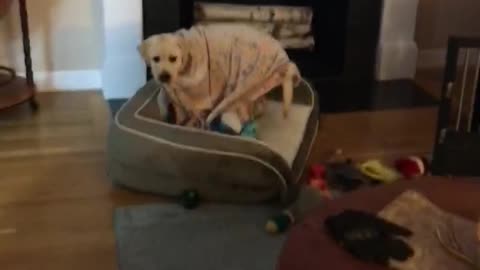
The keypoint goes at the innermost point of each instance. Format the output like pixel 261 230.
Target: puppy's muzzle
pixel 165 77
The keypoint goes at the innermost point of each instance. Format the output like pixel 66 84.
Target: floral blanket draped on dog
pixel 230 67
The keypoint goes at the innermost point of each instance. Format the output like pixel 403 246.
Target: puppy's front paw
pixel 180 115
pixel 232 121
pixel 285 113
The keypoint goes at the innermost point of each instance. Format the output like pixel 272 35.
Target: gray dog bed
pixel 168 237
pixel 149 155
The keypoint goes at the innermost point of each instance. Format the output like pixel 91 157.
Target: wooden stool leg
pixel 26 42
pixel 33 104
pixel 26 49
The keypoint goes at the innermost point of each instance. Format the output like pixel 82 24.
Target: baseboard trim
pixel 396 60
pixel 67 80
pixel 437 59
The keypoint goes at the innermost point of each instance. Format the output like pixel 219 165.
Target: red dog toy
pixel 317 180
pixel 412 167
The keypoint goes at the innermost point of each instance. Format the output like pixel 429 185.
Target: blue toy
pixel 249 130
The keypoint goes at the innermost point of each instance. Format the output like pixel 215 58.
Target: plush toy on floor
pixel 412 167
pixel 190 199
pixel 344 176
pixel 379 172
pixel 311 196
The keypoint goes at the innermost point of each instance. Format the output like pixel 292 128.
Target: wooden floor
pixel 56 202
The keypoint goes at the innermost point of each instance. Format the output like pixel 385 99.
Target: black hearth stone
pixel 338 96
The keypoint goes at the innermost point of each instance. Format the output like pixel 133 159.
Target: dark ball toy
pixel 190 199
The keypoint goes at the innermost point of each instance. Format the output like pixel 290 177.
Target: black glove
pixel 368 237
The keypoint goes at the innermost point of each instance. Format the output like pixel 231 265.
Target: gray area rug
pixel 167 237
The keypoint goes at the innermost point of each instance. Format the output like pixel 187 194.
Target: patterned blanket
pixel 231 68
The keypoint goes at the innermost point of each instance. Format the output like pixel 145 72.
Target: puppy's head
pixel 164 53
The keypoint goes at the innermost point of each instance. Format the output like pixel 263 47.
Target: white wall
pixel 66 39
pixel 123 71
pixel 397 50
pixel 76 45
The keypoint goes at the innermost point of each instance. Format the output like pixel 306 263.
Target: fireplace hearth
pixel 329 26
pixel 340 59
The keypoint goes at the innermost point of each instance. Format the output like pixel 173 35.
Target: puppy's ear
pixel 143 50
pixel 182 42
pixel 186 63
pixel 185 49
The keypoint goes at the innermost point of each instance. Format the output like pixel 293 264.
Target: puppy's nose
pixel 165 77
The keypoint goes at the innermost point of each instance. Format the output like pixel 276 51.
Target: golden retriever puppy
pixel 219 69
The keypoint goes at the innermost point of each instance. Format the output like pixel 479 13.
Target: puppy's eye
pixel 172 58
pixel 156 59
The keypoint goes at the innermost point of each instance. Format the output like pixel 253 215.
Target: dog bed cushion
pixel 150 155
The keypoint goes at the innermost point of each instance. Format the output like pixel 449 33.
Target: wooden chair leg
pixel 34 104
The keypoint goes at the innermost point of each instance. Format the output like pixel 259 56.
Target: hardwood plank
pixel 41 131
pixel 54 181
pixel 377 134
pixel 70 123
pixel 431 81
pixel 15 92
pixel 74 179
pixel 58 235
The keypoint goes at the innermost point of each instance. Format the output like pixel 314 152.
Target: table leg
pixel 26 51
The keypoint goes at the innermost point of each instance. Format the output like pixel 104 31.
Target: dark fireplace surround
pixel 346 32
pixel 342 64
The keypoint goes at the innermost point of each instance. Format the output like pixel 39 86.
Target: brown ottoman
pixel 308 247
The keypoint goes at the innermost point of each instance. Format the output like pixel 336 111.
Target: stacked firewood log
pixel 292 26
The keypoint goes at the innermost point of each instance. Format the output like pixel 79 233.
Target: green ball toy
pixel 280 223
pixel 190 199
